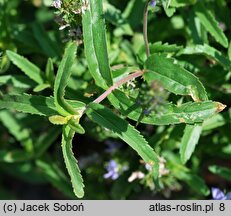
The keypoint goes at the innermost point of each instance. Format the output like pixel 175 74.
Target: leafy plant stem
pixel 145 28
pixel 117 84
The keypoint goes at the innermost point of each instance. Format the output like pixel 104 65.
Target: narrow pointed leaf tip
pixel 220 107
pixel 71 162
pixel 61 81
pixel 208 20
pixel 68 114
pixel 189 141
pixel 30 69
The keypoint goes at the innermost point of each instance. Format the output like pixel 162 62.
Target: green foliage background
pixel 187 81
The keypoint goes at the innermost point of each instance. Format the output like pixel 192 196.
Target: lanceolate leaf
pixel 221 171
pixel 41 87
pixel 197 32
pixel 16 128
pixel 61 81
pixel 209 52
pixel 126 132
pixel 19 81
pixel 95 43
pixel 50 72
pixel 71 162
pixel 30 69
pixel 48 46
pixel 38 105
pixel 173 77
pixel 194 181
pixel 164 47
pixel 212 26
pixel 165 114
pixel 114 16
pixel 189 141
pixel 159 47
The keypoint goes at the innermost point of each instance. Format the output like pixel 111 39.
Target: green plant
pixel 170 93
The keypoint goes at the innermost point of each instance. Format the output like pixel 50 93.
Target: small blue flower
pixel 217 194
pixel 153 3
pixel 112 170
pixel 57 4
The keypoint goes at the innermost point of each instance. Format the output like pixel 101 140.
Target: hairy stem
pixel 145 28
pixel 117 84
